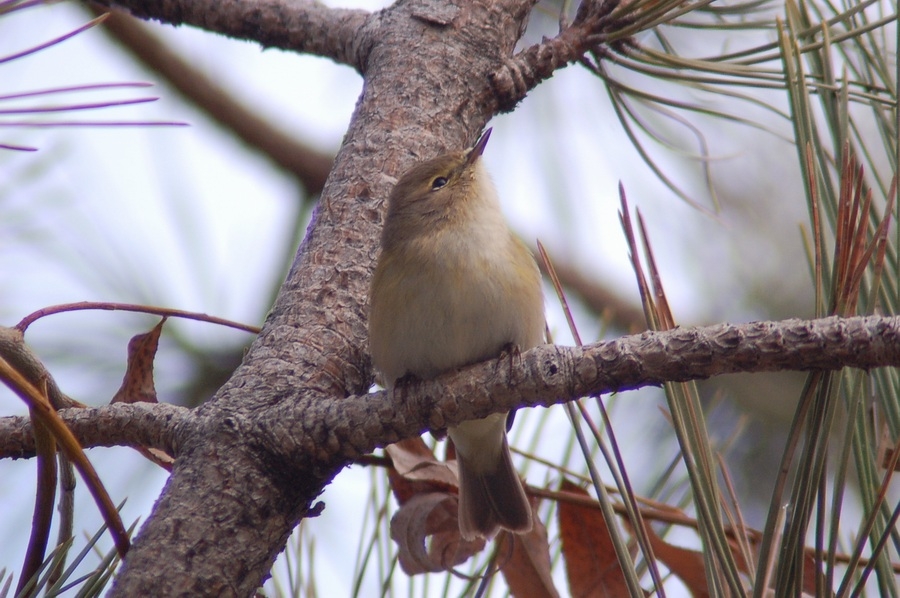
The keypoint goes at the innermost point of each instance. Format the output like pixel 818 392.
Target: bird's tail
pixel 491 495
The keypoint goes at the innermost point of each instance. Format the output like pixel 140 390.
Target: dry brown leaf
pixel 414 461
pixel 689 567
pixel 417 471
pixel 524 560
pixel 431 514
pixel 686 564
pixel 811 568
pixel 137 385
pixel 409 453
pixel 161 458
pixel 592 567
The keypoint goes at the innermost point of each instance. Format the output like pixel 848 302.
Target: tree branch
pixel 300 25
pixel 551 374
pixel 308 166
pixel 235 493
pixel 253 460
pixel 589 32
pixel 14 350
pixel 543 376
pixel 148 425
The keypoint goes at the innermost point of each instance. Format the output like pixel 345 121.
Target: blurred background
pixel 203 218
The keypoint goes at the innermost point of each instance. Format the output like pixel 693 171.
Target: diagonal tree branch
pixel 297 158
pixel 252 461
pixel 303 26
pixel 309 167
pixel 235 494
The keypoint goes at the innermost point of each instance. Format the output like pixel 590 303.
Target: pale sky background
pixel 188 218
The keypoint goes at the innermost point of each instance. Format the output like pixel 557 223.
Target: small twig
pixel 146 309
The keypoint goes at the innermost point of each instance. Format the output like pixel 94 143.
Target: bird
pixel 454 286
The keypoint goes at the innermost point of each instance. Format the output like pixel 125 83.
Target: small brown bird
pixel 453 286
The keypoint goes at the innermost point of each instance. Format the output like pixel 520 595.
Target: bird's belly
pixel 449 321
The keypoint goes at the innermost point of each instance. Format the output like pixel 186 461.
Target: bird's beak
pixel 478 148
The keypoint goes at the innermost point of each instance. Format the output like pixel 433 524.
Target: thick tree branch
pixel 297 158
pixel 308 166
pixel 543 376
pixel 552 374
pixel 235 492
pixel 300 25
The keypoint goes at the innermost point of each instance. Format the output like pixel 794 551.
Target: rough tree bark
pixel 543 376
pixel 251 461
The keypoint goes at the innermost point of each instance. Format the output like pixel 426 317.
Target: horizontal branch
pixel 551 374
pixel 543 376
pixel 148 425
pixel 301 25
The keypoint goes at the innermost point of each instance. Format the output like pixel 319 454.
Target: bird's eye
pixel 438 183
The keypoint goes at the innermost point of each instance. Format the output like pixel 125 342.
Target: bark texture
pixel 543 376
pixel 255 457
pixel 299 25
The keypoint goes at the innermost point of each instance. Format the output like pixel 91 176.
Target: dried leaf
pixel 592 567
pixel 430 514
pixel 137 385
pixel 161 458
pixel 527 566
pixel 686 564
pixel 417 471
pixel 414 460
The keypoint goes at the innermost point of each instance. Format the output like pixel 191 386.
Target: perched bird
pixel 453 286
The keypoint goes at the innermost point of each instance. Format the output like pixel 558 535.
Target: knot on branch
pixel 517 76
pixel 595 26
pixel 592 13
pixel 589 33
